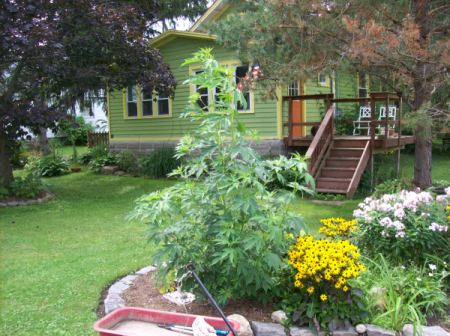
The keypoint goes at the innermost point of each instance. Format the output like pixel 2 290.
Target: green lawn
pixel 57 257
pixel 440 168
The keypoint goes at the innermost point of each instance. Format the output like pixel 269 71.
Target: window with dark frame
pixel 147 101
pixel 362 82
pixel 240 73
pixel 163 104
pixel 132 101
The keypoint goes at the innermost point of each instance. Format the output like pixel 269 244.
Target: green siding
pixel 264 120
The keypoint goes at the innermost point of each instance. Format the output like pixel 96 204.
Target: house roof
pixel 213 12
pixel 169 35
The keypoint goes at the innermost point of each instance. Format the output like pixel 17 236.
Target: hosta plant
pixel 220 216
pixel 405 227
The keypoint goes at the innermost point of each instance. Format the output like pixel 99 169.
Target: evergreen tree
pixel 404 43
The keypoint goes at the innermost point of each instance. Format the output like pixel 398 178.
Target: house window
pixel 163 104
pixel 203 100
pixel 293 89
pixel 132 101
pixel 147 101
pixel 362 84
pixel 239 74
pixel 323 79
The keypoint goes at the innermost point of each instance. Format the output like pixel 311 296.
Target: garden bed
pixel 143 293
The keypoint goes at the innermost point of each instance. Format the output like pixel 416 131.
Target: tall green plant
pixel 220 217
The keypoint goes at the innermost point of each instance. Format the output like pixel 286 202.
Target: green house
pixel 304 115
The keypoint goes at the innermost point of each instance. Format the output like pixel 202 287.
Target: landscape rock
pixel 244 325
pixel 119 173
pixel 278 316
pixel 296 331
pixel 146 270
pixel 345 332
pixel 109 170
pixel 360 328
pixel 267 329
pixel 408 330
pixel 374 330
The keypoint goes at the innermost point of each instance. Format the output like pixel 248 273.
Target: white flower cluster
pixel 391 210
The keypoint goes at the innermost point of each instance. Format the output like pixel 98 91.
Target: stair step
pixel 337 172
pixel 346 152
pixel 331 191
pixel 349 143
pixel 342 162
pixel 332 183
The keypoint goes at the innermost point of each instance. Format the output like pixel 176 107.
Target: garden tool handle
pixel 213 302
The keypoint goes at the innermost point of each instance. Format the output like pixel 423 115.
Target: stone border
pixel 113 299
pixel 47 197
pixel 325 202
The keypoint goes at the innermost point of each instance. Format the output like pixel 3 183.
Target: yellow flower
pixel 323 297
pixel 310 289
pixel 345 288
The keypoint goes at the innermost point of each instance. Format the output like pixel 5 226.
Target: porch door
pixel 296 89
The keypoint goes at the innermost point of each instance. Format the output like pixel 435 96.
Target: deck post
pixel 397 168
pixel 386 121
pixel 290 127
pixel 372 139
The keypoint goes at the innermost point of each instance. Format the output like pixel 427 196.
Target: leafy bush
pixel 406 226
pixel 96 164
pixel 18 155
pixel 396 295
pixel 128 161
pixel 390 187
pixel 73 131
pixel 291 174
pixel 321 273
pixel 52 165
pixel 97 157
pixel 159 163
pixel 220 216
pixel 47 166
pixel 28 187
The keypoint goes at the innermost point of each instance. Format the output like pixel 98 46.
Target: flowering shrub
pixel 323 269
pixel 405 226
pixel 337 227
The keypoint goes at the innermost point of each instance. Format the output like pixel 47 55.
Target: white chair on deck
pixel 391 116
pixel 362 125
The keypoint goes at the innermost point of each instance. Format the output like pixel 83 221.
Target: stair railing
pixel 359 170
pixel 321 142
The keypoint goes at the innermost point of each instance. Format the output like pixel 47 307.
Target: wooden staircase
pixel 337 164
pixel 342 166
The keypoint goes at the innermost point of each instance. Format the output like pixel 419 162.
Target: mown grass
pixel 57 257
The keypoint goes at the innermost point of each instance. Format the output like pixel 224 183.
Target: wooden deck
pixel 380 145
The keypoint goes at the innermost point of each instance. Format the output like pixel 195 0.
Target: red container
pixel 106 325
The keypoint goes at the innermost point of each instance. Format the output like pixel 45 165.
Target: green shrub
pixel 128 161
pixel 52 165
pixel 406 226
pixel 159 163
pixel 396 295
pixel 3 192
pixel 391 187
pixel 221 217
pixel 73 131
pixel 18 156
pixel 97 163
pixel 94 153
pixel 291 174
pixel 28 187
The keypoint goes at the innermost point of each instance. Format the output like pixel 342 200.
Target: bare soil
pixel 143 293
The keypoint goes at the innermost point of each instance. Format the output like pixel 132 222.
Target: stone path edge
pixel 47 197
pixel 113 299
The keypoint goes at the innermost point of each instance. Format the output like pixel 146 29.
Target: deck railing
pixel 359 170
pixel 321 142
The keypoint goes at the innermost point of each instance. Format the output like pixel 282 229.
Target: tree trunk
pixel 43 141
pixel 6 170
pixel 423 155
pixel 422 94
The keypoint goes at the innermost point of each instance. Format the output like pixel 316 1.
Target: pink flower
pixel 399 213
